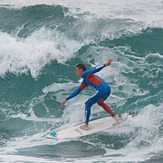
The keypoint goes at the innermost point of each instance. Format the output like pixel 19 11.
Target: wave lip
pixel 34 52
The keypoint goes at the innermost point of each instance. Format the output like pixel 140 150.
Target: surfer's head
pixel 80 68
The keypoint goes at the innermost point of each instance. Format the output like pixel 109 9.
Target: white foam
pixel 59 86
pixel 34 52
pixel 154 55
pixel 17 158
pixel 145 127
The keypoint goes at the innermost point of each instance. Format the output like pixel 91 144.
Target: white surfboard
pixel 94 127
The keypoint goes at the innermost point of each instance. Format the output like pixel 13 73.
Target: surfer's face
pixel 79 72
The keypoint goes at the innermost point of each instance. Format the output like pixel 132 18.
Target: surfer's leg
pixel 87 115
pixel 105 107
pixel 92 100
pixel 105 93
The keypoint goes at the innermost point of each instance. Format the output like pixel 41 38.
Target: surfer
pixel 102 90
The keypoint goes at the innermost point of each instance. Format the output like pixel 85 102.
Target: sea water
pixel 41 42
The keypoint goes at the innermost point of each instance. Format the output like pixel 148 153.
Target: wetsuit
pixel 102 91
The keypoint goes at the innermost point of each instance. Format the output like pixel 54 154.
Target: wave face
pixel 40 45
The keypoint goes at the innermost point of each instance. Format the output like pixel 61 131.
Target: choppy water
pixel 40 44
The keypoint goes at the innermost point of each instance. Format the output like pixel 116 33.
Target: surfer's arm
pixel 85 73
pixel 97 69
pixel 76 92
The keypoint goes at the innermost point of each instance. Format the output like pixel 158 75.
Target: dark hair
pixel 81 66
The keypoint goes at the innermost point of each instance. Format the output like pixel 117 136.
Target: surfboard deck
pixel 94 127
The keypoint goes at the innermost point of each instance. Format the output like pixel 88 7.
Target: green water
pixel 40 45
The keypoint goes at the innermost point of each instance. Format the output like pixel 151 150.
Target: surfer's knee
pixel 88 104
pixel 100 103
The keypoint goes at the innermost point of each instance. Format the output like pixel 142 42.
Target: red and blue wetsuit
pixel 102 91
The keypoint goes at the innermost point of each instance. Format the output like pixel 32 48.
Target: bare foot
pixel 116 116
pixel 84 127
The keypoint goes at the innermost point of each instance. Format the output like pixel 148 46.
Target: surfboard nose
pixel 53 134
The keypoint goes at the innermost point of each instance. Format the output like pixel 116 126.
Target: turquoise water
pixel 40 45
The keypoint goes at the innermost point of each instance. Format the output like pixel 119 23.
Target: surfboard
pixel 94 127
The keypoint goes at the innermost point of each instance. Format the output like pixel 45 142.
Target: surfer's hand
pixel 108 62
pixel 64 101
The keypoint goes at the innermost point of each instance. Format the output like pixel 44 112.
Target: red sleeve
pixel 83 86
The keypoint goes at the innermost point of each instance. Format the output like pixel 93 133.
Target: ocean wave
pixel 137 10
pixel 34 52
pixel 31 41
pixel 40 46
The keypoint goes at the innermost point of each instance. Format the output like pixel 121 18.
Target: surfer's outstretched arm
pixel 76 92
pixel 85 73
